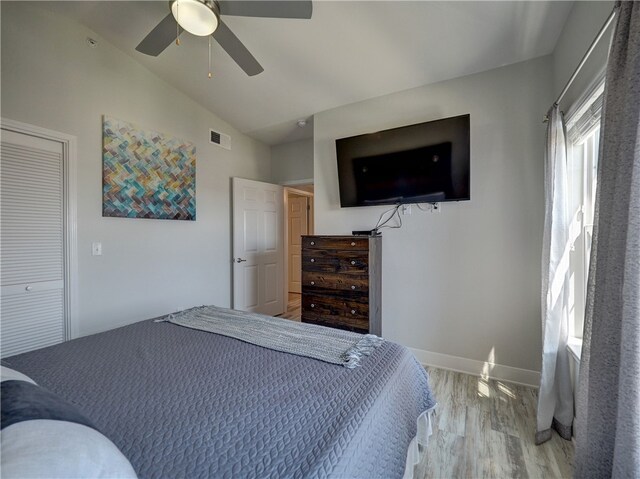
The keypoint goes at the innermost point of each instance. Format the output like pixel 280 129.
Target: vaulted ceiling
pixel 349 51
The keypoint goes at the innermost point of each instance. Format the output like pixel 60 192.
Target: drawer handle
pixel 352 263
pixel 313 260
pixel 313 243
pixel 28 288
pixel 353 243
pixel 313 283
pixel 353 287
pixel 353 311
pixel 313 305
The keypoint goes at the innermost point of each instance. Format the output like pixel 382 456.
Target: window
pixel 583 138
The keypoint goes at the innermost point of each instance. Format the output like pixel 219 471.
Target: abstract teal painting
pixel 146 174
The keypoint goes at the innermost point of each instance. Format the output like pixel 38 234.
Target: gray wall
pixel 292 162
pixel 464 282
pixel 584 22
pixel 52 79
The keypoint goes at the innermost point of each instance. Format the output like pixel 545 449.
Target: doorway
pixel 299 222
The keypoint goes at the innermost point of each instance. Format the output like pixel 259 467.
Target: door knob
pixel 28 288
pixel 240 260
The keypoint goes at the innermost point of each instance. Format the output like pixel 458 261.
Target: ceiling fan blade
pixel 267 8
pixel 236 50
pixel 160 37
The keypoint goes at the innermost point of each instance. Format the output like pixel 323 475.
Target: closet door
pixel 32 308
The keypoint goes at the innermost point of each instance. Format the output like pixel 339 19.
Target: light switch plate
pixel 96 248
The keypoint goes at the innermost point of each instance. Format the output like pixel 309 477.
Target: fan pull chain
pixel 210 56
pixel 178 22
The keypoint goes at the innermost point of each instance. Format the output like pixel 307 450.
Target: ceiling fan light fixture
pixel 195 16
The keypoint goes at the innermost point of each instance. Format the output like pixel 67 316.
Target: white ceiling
pixel 349 51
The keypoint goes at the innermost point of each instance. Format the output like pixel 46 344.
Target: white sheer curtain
pixel 555 396
pixel 608 406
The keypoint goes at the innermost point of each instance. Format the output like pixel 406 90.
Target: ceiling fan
pixel 202 18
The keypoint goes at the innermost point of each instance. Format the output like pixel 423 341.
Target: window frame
pixel 583 137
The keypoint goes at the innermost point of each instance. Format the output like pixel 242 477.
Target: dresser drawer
pixel 335 306
pixel 352 283
pixel 354 325
pixel 331 261
pixel 346 243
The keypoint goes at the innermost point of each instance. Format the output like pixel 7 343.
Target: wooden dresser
pixel 342 282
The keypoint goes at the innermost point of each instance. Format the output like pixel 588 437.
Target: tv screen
pixel 423 163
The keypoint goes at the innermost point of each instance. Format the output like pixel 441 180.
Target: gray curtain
pixel 555 396
pixel 608 406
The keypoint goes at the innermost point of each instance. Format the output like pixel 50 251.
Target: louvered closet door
pixel 32 243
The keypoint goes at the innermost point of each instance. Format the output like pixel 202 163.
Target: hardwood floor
pixel 485 428
pixel 294 307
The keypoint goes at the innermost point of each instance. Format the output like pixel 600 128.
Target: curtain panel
pixel 555 396
pixel 608 399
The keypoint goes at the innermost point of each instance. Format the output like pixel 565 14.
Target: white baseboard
pixel 484 369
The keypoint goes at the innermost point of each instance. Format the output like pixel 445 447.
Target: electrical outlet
pixel 96 248
pixel 435 208
pixel 406 209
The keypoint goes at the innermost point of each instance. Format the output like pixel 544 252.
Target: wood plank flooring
pixel 485 428
pixel 294 307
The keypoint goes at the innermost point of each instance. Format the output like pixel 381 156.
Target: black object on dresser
pixel 342 282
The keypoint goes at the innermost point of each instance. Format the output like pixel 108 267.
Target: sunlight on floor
pixel 483 380
pixel 483 388
pixel 506 390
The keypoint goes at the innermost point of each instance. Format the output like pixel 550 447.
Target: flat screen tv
pixel 423 163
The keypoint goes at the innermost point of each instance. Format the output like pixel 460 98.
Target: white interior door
pixel 32 286
pixel 258 247
pixel 298 226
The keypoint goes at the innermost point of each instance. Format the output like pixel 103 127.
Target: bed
pixel 181 402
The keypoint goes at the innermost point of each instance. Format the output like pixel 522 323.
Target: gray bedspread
pixel 183 403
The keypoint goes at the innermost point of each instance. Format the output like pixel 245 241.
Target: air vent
pixel 220 139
